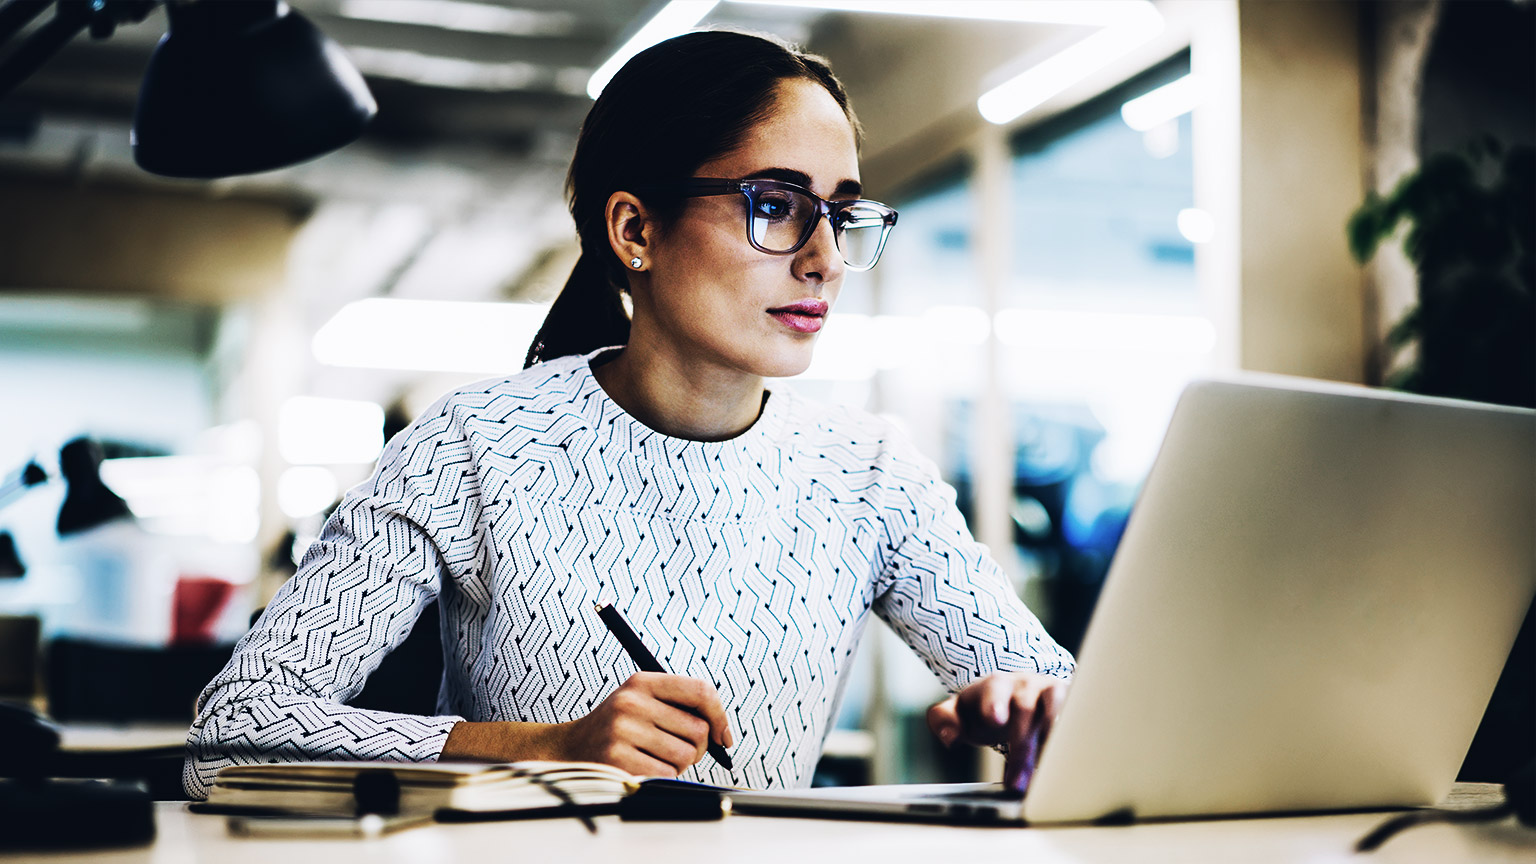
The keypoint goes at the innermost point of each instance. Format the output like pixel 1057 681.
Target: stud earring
pixel 636 262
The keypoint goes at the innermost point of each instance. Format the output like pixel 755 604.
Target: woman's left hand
pixel 1014 709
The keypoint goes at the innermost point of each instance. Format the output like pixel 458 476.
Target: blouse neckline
pixel 612 422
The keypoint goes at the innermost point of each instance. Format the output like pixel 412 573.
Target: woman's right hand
pixel 654 725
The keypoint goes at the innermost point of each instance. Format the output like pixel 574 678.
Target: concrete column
pixel 992 439
pixel 1302 175
pixel 992 449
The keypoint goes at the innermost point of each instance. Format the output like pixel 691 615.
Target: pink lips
pixel 802 316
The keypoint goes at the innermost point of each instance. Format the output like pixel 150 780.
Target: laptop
pixel 1313 598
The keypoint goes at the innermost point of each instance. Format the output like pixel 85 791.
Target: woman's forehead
pixel 805 130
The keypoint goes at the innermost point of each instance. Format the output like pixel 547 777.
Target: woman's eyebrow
pixel 800 178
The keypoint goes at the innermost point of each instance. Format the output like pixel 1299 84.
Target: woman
pixel 746 534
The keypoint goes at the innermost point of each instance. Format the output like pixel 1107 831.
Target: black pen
pixel 646 661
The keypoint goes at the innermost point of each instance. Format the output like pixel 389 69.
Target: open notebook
pixel 444 788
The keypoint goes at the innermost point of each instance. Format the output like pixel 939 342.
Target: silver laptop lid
pixel 1308 610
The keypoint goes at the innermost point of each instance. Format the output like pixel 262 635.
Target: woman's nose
pixel 820 258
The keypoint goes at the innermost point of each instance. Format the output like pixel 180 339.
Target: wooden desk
pixel 188 838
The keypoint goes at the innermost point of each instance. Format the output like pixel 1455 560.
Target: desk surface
pixel 188 838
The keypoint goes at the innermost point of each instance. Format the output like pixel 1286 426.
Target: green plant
pixel 1471 228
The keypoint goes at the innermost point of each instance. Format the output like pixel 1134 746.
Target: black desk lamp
pixel 11 566
pixel 87 501
pixel 234 87
pixel 36 812
pixel 24 478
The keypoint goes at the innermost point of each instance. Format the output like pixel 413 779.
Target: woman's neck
pixel 679 397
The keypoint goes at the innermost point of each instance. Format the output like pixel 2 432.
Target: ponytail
pixel 588 315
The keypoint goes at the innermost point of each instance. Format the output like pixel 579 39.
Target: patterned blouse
pixel 518 503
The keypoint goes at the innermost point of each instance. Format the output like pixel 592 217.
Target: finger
pixel 633 744
pixel 684 725
pixel 1014 769
pixel 642 764
pixel 663 746
pixel 944 720
pixel 1047 707
pixel 983 709
pixel 699 697
pixel 996 696
pixel 1022 713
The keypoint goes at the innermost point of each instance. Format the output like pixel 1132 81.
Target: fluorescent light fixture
pixel 305 490
pixel 462 16
pixel 954 326
pixel 316 431
pixel 1137 22
pixel 460 74
pixel 1076 332
pixel 1099 13
pixel 854 347
pixel 430 335
pixel 674 19
pixel 40 312
pixel 844 350
pixel 1163 104
pixel 189 495
pixel 1197 226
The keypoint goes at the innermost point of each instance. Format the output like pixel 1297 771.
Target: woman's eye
pixel 773 206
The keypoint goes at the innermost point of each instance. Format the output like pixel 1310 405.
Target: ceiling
pixel 483 86
pixel 455 190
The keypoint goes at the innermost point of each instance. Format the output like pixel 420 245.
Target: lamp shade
pixel 10 562
pixel 240 87
pixel 87 501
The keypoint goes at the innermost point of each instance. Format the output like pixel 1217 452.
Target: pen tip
pixel 598 607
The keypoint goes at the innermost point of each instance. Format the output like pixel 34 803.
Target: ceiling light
pixel 430 335
pixel 1088 332
pixel 189 495
pixel 1197 226
pixel 462 16
pixel 316 431
pixel 1139 22
pixel 674 19
pixel 305 490
pixel 1100 13
pixel 1157 107
pixel 457 73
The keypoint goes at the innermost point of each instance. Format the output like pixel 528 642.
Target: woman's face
pixel 711 297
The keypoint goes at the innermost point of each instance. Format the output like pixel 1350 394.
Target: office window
pixel 1102 328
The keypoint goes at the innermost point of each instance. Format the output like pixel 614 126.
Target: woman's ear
pixel 630 230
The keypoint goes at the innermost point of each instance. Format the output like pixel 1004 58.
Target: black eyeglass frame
pixel 704 187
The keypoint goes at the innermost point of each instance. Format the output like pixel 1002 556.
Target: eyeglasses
pixel 781 217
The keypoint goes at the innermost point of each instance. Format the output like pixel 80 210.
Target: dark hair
pixel 670 109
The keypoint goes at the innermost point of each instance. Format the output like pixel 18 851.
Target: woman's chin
pixel 785 364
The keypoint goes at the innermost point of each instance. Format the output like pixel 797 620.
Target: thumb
pixel 944 721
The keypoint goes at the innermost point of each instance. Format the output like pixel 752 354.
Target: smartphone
pixel 353 827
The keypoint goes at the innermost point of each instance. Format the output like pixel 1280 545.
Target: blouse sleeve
pixel 942 592
pixel 380 559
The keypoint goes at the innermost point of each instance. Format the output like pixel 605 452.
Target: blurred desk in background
pixel 85 739
pixel 152 752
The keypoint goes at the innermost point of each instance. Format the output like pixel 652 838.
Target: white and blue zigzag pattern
pixel 751 563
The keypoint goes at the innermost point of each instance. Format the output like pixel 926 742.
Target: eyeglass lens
pixel 781 217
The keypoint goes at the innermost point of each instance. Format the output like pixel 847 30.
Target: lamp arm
pixel 69 18
pixel 14 15
pixel 28 476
